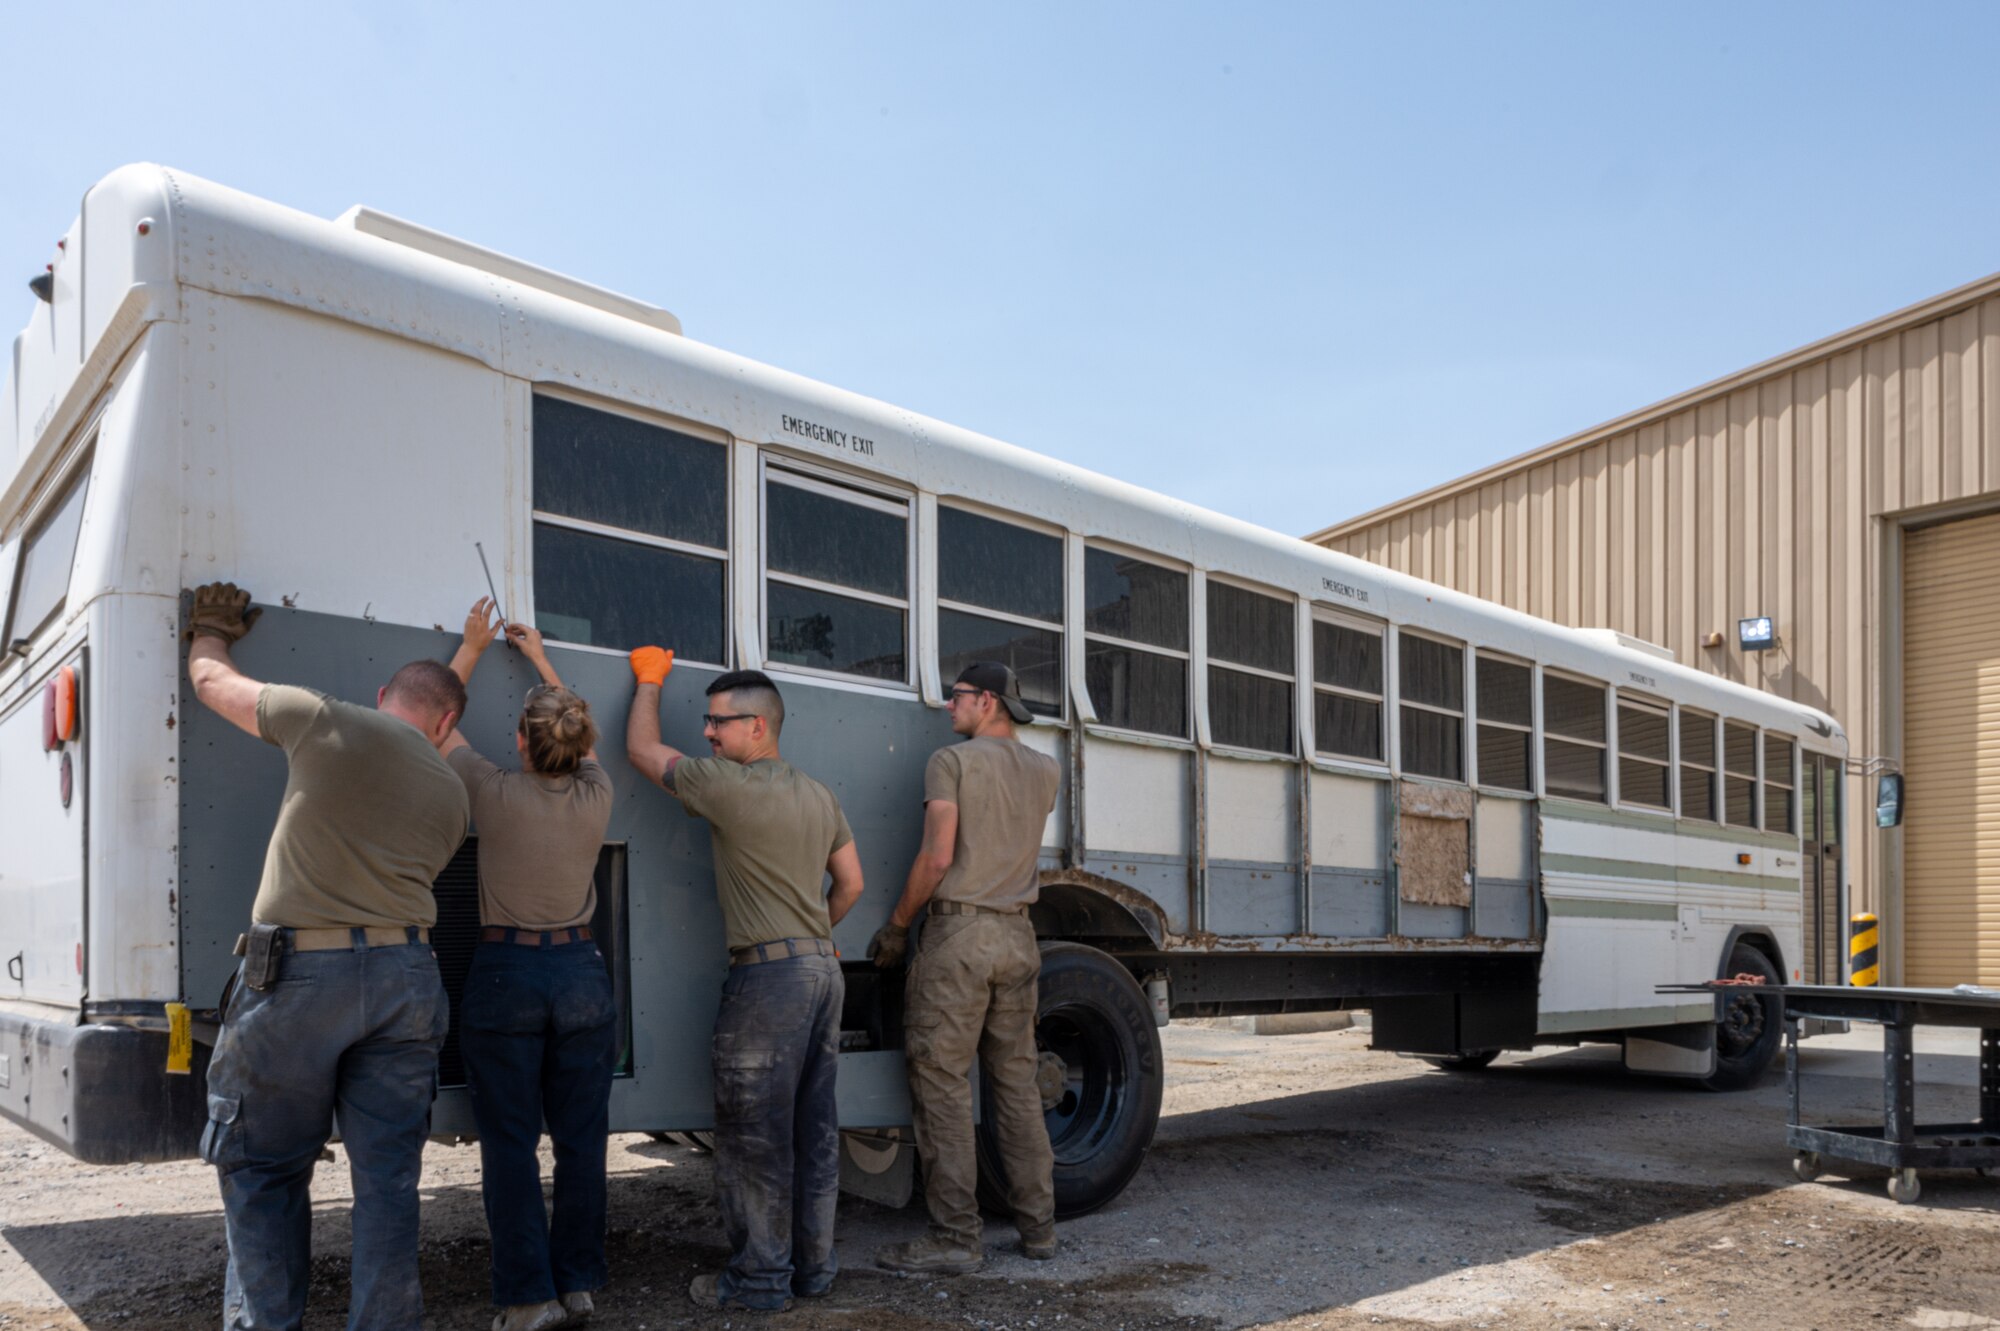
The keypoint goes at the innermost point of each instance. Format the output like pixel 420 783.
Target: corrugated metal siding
pixel 1951 730
pixel 1762 498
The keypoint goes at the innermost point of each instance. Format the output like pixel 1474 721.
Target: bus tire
pixel 1476 1061
pixel 1094 1018
pixel 1748 1031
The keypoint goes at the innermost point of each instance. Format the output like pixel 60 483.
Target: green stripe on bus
pixel 1594 867
pixel 1595 908
pixel 1573 811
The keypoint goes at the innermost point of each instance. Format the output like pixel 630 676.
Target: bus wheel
pixel 1100 1076
pixel 1476 1061
pixel 1747 1033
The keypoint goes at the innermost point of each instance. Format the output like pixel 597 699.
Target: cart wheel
pixel 1904 1187
pixel 1806 1165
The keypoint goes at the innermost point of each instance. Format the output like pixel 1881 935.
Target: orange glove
pixel 652 665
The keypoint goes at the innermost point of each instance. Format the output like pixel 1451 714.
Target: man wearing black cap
pixel 776 833
pixel 972 987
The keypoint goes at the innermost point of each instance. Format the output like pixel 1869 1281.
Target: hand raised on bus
pixel 481 625
pixel 221 610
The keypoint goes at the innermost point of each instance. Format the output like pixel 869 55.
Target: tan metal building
pixel 1849 490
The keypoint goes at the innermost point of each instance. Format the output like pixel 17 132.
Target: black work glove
pixel 887 947
pixel 221 610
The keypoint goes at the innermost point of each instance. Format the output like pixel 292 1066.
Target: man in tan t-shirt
pixel 776 834
pixel 973 987
pixel 351 1027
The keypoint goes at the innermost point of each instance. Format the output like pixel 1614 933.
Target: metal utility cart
pixel 1900 1143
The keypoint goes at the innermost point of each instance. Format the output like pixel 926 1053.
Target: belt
pixel 354 940
pixel 778 949
pixel 494 933
pixel 971 908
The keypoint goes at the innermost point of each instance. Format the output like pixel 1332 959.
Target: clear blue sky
pixel 1288 261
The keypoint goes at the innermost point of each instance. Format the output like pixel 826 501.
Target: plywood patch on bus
pixel 1434 844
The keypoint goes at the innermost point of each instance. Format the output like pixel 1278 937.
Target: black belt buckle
pixel 263 956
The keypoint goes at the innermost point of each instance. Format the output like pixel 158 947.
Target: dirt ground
pixel 1299 1182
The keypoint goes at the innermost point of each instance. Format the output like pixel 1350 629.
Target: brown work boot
pixel 1038 1247
pixel 579 1305
pixel 931 1255
pixel 530 1317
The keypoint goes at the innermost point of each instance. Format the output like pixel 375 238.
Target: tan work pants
pixel 972 990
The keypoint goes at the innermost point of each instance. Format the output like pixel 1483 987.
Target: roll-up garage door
pixel 1951 754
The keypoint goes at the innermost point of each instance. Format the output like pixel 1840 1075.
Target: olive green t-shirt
pixel 1004 791
pixel 539 838
pixel 773 828
pixel 370 815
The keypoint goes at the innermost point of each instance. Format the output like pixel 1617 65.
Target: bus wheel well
pixel 1752 937
pixel 1077 905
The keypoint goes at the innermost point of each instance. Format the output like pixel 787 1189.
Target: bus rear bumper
pixel 101 1092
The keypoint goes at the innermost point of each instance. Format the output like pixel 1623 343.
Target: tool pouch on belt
pixel 263 953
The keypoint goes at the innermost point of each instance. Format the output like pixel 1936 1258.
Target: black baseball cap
pixel 998 680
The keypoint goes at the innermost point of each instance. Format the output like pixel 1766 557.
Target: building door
pixel 1820 831
pixel 1951 754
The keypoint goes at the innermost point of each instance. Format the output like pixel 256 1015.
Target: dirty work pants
pixel 539 1029
pixel 972 990
pixel 777 1129
pixel 350 1036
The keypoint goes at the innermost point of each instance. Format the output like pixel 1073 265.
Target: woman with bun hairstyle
pixel 538 1024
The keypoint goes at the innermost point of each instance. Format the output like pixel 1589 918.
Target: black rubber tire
pixel 1477 1061
pixel 1751 1026
pixel 1093 1013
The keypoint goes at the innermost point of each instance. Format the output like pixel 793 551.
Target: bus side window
pixel 1000 598
pixel 1506 724
pixel 1779 786
pixel 1697 766
pixel 1573 738
pixel 1431 678
pixel 631 533
pixel 1739 781
pixel 1252 652
pixel 1135 619
pixel 836 578
pixel 47 556
pixel 1347 690
pixel 1645 769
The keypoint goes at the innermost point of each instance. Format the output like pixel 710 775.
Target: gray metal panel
pixel 1163 878
pixel 1252 900
pixel 1349 903
pixel 1503 908
pixel 870 749
pixel 1431 921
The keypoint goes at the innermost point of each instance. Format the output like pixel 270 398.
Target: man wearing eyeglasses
pixel 776 833
pixel 973 986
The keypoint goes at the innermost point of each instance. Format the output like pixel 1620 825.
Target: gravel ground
pixel 1298 1181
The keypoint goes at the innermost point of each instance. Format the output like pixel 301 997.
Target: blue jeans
pixel 349 1035
pixel 777 1129
pixel 539 1028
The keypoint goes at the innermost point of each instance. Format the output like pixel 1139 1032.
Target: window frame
pixel 726 554
pixel 1479 719
pixel 1603 746
pixel 1464 698
pixel 1657 707
pixel 865 493
pixel 1191 739
pixel 1714 768
pixel 1211 662
pixel 1755 776
pixel 1060 628
pixel 1764 780
pixel 74 473
pixel 1357 624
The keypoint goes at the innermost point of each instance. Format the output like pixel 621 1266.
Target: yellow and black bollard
pixel 1862 951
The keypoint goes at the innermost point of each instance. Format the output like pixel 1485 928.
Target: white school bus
pixel 1294 781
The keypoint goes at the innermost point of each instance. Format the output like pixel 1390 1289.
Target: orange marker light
pixel 66 711
pixel 1742 859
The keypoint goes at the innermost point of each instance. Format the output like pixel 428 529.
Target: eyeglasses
pixel 966 692
pixel 710 719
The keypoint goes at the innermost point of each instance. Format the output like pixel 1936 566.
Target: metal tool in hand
pixel 504 621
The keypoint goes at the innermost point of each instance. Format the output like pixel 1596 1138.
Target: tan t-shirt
pixel 773 828
pixel 539 837
pixel 370 815
pixel 1004 791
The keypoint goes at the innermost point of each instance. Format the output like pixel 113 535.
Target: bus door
pixel 1820 833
